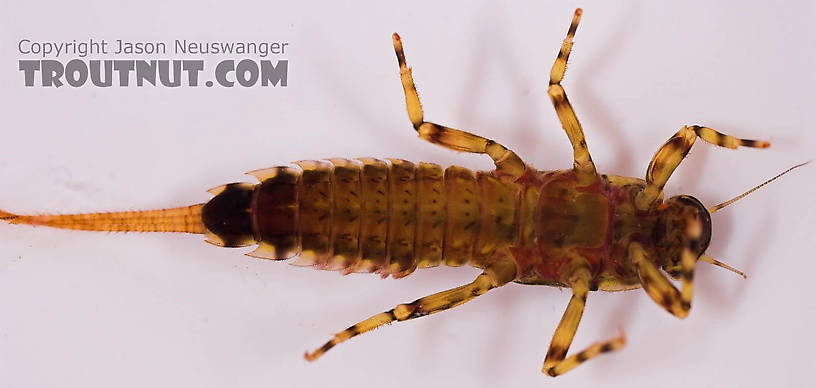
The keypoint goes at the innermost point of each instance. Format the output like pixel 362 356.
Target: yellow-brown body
pixel 392 217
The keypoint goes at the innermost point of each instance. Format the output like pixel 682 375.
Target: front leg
pixel 669 156
pixel 659 288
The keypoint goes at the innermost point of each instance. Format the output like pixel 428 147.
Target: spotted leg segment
pixel 507 162
pixel 499 273
pixel 556 362
pixel 583 164
pixel 658 286
pixel 669 156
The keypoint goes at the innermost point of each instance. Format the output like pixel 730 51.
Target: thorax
pixel 594 221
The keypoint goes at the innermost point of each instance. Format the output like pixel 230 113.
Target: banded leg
pixel 555 362
pixel 659 288
pixel 583 164
pixel 507 162
pixel 670 154
pixel 497 274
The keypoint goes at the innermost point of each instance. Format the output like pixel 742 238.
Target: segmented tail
pixel 181 220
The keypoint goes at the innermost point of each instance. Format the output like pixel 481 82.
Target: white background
pixel 130 310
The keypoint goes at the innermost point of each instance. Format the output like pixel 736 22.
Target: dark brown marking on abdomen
pixel 275 214
pixel 227 216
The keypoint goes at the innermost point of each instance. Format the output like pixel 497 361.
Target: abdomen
pixel 368 215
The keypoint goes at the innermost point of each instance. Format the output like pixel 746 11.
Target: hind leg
pixel 507 162
pixel 497 274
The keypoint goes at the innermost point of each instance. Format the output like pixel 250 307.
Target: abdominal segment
pixel 367 215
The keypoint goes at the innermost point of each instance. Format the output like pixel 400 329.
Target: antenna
pixel 711 260
pixel 741 196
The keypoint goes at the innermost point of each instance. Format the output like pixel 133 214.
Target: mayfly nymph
pixel 572 228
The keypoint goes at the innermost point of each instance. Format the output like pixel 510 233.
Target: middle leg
pixel 583 164
pixel 557 362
